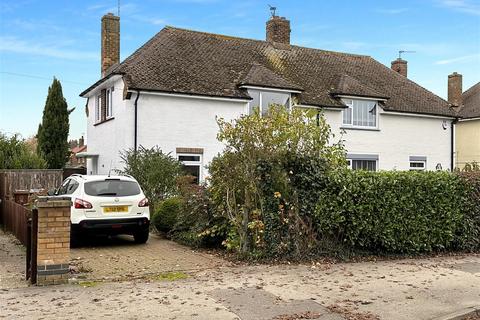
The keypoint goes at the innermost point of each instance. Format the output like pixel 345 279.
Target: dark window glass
pixel 63 188
pixel 417 164
pixel 72 186
pixel 189 158
pixel 368 165
pixel 193 171
pixel 112 188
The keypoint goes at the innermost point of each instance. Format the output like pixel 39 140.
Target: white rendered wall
pixel 398 138
pixel 172 122
pixel 107 139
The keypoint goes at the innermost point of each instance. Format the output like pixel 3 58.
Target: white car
pixel 106 205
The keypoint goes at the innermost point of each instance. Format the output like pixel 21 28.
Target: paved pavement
pixel 395 290
pixel 12 262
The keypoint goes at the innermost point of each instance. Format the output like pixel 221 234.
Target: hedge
pixel 167 213
pixel 468 237
pixel 398 212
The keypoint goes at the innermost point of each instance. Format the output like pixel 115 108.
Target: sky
pixel 42 39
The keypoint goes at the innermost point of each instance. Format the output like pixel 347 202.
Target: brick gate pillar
pixel 53 240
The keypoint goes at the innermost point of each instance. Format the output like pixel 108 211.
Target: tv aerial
pixel 400 52
pixel 272 10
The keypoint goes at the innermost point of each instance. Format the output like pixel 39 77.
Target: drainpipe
pixel 136 122
pixel 452 144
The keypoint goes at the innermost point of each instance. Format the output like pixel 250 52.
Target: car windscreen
pixel 112 188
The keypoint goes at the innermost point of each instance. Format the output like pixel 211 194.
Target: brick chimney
pixel 81 142
pixel 110 41
pixel 455 89
pixel 278 30
pixel 400 66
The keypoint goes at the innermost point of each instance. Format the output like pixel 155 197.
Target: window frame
pixel 98 107
pixel 350 108
pixel 362 157
pixel 262 90
pixel 416 160
pixel 109 103
pixel 194 163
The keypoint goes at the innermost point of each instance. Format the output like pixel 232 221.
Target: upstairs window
pixel 360 113
pixel 98 106
pixel 264 99
pixel 109 103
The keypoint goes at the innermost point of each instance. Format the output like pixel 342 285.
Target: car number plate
pixel 115 209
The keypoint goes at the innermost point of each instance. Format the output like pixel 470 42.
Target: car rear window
pixel 112 188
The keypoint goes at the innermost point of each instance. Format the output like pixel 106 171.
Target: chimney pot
pixel 455 89
pixel 110 41
pixel 81 142
pixel 399 65
pixel 278 30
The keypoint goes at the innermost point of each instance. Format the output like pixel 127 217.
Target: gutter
pixel 452 144
pixel 136 122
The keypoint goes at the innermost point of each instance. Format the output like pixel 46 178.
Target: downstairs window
pixel 192 165
pixel 362 162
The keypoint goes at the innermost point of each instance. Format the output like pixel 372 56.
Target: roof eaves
pixel 452 116
pixel 99 82
pixel 340 94
pixel 246 98
pixel 247 84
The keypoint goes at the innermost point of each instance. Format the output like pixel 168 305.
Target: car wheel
pixel 141 236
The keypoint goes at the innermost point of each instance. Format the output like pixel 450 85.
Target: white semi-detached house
pixel 169 92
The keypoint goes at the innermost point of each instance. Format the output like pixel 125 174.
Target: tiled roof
pixel 184 61
pixel 264 77
pixel 78 149
pixel 348 85
pixel 471 102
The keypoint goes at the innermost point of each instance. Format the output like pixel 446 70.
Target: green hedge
pixel 395 212
pixel 468 237
pixel 167 213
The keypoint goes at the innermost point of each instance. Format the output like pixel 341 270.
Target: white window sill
pixel 103 121
pixel 359 128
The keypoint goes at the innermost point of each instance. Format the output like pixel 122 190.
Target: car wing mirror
pixel 52 192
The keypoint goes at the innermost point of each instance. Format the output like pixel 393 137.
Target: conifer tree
pixel 53 131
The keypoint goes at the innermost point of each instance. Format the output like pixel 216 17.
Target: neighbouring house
pixel 170 91
pixel 467 129
pixel 76 159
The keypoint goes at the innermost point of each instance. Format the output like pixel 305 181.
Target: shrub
pixel 197 224
pixel 167 213
pixel 154 170
pixel 15 153
pixel 254 167
pixel 395 212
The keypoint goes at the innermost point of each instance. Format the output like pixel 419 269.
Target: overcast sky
pixel 41 39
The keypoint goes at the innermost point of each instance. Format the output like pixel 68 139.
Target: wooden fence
pixel 15 218
pixel 35 179
pixel 26 181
